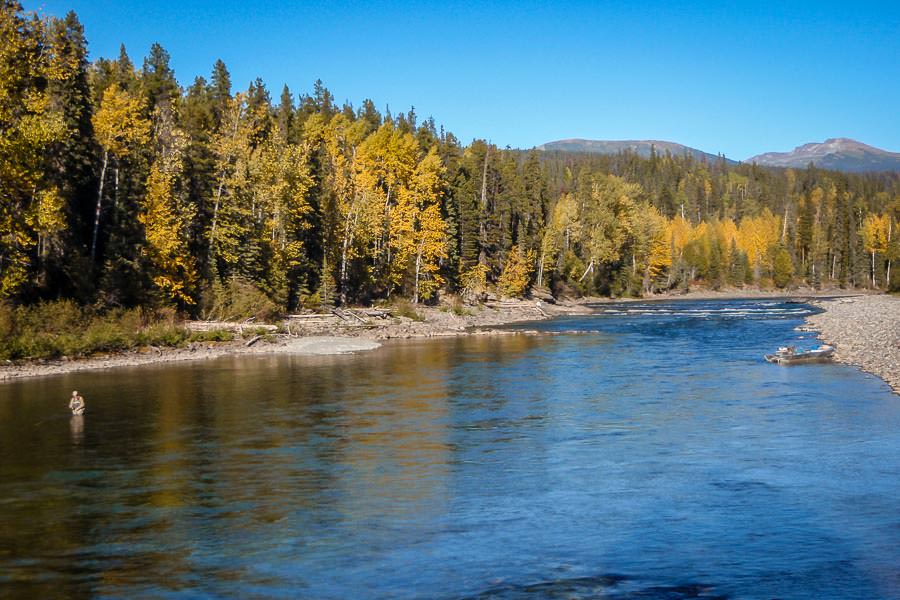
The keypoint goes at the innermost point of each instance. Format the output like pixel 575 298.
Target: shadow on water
pixel 660 445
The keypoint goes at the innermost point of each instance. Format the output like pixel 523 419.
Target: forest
pixel 120 188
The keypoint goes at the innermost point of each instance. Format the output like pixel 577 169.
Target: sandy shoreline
pixel 865 331
pixel 332 336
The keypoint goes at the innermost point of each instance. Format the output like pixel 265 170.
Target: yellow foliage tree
pixel 563 229
pixel 384 167
pixel 758 237
pixel 349 220
pixel 608 219
pixel 30 205
pixel 280 182
pixel 875 234
pixel 517 270
pixel 119 126
pixel 165 228
pixel 680 233
pixel 419 235
pixel 651 252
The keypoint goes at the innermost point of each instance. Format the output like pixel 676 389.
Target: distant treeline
pixel 120 188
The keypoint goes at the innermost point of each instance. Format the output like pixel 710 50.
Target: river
pixel 644 451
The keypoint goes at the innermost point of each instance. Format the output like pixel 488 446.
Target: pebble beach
pixel 865 331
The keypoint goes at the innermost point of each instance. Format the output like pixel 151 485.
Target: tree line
pixel 120 188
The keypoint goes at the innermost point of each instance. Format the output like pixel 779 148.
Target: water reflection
pixel 659 447
pixel 76 427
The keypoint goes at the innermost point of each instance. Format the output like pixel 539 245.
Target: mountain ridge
pixel 639 147
pixel 837 154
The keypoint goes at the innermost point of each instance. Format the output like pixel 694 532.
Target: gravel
pixel 865 331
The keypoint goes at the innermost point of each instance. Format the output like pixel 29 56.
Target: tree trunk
pixel 223 173
pixel 784 225
pixel 99 205
pixel 586 271
pixel 887 278
pixel 387 233
pixel 873 270
pixel 215 217
pixel 540 277
pixel 345 249
pixel 418 266
pixel 484 179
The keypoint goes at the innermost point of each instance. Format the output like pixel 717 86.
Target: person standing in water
pixel 76 403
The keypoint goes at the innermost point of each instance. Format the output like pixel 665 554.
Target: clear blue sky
pixel 733 77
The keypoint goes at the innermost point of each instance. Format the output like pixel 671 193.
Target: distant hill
pixel 639 147
pixel 839 154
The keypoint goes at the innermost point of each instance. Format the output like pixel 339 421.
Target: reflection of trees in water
pixel 193 468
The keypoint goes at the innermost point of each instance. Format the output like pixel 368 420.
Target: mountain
pixel 839 154
pixel 639 147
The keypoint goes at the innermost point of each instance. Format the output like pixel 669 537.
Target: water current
pixel 644 451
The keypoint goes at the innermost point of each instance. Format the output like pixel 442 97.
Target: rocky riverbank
pixel 333 333
pixel 865 331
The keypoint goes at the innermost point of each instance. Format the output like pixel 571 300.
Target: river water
pixel 652 454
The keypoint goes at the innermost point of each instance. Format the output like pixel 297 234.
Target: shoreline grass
pixel 58 329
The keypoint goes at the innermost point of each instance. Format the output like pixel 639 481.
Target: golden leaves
pixel 119 123
pixel 517 270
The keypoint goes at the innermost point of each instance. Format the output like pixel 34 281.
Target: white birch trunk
pixel 99 205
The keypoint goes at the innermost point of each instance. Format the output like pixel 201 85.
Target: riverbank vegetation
pixel 50 330
pixel 121 189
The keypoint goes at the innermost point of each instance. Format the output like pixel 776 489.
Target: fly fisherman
pixel 76 403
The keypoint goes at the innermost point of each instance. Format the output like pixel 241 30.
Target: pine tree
pixel 158 79
pixel 286 114
pixel 219 92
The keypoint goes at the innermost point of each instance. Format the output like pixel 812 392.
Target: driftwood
pixel 347 315
pixel 312 318
pixel 518 305
pixel 340 314
pixel 223 325
pixel 253 340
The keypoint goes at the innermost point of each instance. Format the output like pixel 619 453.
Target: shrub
pixel 474 282
pixel 459 308
pixel 239 299
pixel 62 328
pixel 213 335
pixel 404 308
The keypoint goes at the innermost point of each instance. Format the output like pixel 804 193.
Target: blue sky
pixel 733 77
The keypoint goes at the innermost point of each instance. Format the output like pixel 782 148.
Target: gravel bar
pixel 865 331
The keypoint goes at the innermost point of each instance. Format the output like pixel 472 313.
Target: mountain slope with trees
pixel 643 148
